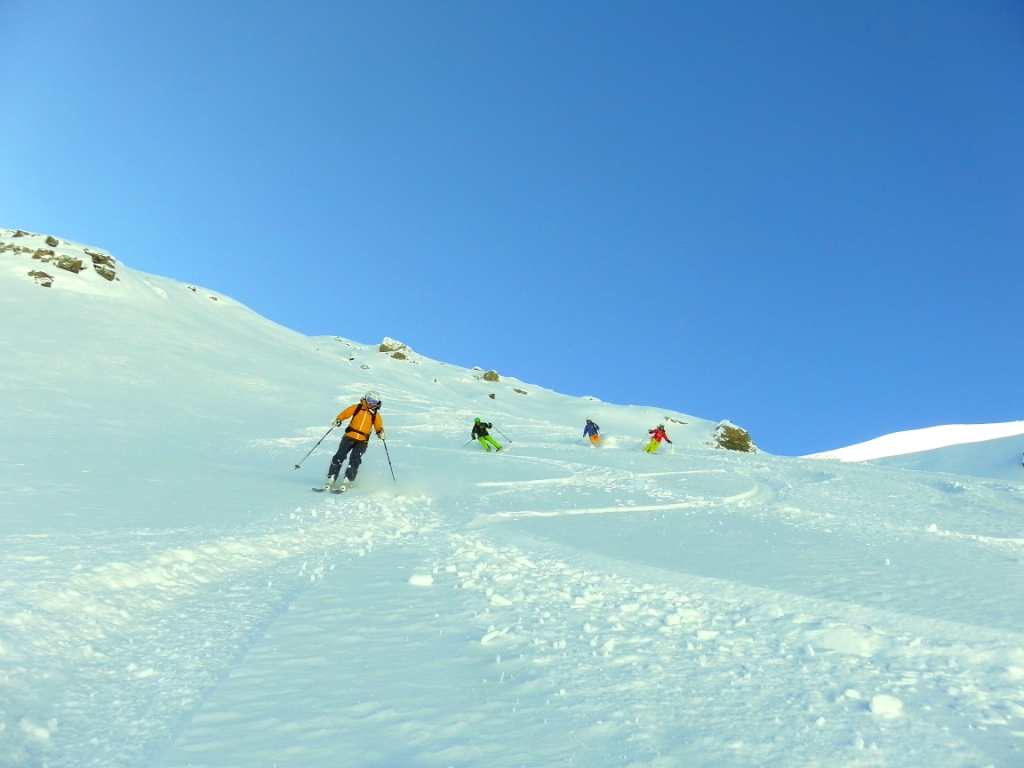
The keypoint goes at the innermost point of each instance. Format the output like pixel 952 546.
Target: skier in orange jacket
pixel 364 420
pixel 657 435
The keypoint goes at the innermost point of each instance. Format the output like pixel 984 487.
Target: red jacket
pixel 659 434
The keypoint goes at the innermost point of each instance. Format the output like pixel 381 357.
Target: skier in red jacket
pixel 657 435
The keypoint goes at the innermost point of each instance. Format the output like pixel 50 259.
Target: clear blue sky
pixel 805 217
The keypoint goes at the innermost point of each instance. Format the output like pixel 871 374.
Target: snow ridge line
pixel 486 519
pixel 586 479
pixel 692 503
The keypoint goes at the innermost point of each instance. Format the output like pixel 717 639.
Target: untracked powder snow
pixel 172 592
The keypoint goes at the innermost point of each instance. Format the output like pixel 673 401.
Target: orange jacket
pixel 365 421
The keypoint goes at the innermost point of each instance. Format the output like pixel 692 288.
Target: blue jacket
pixel 590 429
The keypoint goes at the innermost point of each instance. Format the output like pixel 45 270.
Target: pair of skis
pixel 340 489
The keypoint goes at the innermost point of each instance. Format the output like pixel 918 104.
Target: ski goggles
pixel 372 402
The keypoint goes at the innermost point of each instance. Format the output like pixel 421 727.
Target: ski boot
pixel 327 486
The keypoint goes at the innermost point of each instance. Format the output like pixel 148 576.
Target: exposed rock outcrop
pixel 63 255
pixel 42 278
pixel 68 264
pixel 732 438
pixel 105 264
pixel 392 345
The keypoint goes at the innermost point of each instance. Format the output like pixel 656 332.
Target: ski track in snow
pixel 136 643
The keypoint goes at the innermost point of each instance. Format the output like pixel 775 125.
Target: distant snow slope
pixel 999 458
pixel 927 439
pixel 981 450
pixel 172 593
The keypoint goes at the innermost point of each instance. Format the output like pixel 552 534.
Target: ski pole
pixel 388 454
pixel 578 441
pixel 470 441
pixel 314 447
pixel 503 435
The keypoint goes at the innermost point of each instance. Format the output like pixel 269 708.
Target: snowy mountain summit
pixel 172 592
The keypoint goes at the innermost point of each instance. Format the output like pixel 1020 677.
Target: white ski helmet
pixel 372 397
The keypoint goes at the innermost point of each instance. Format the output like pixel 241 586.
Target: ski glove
pixel 337 422
pixel 381 435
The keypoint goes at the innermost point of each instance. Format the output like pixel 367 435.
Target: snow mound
pixel 854 642
pixel 885 705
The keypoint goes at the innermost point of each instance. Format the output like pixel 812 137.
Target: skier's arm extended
pixel 346 414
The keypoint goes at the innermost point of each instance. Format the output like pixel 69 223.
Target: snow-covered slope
pixel 122 376
pixel 172 593
pixel 982 450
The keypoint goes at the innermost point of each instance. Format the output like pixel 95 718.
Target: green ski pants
pixel 485 439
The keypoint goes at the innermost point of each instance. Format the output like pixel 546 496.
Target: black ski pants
pixel 352 448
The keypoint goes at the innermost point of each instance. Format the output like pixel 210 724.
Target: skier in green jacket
pixel 480 433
